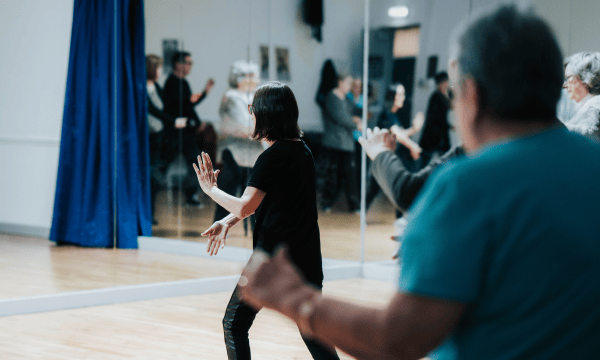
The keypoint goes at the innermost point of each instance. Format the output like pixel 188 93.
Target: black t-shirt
pixel 288 212
pixel 177 103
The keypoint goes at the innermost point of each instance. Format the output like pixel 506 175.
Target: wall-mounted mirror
pixel 273 35
pixel 240 45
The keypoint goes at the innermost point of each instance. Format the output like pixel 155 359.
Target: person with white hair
pixel 582 82
pixel 236 150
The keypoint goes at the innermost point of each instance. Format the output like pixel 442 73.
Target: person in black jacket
pixel 158 120
pixel 179 101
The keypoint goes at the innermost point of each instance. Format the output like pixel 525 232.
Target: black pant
pixel 337 170
pixel 237 322
pixel 182 141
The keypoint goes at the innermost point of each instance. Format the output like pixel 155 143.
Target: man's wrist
pixel 302 306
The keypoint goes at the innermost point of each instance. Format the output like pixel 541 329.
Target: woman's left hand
pixel 204 171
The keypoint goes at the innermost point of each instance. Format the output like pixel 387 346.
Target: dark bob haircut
pixel 276 112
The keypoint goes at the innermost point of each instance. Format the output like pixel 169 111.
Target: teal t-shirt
pixel 513 232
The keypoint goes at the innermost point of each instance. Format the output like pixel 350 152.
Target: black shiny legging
pixel 237 322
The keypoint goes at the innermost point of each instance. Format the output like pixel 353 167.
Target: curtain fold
pixel 103 133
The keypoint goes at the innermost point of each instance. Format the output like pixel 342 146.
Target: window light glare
pixel 398 12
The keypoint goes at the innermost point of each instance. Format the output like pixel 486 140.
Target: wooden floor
pixel 174 328
pixel 340 229
pixel 34 266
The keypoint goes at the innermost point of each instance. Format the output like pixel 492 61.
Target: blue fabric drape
pixel 103 186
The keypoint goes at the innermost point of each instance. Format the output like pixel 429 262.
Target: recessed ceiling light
pixel 398 12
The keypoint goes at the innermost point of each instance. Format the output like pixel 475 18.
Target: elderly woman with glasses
pixel 236 151
pixel 582 82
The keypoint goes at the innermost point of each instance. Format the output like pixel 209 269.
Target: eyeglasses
pixel 250 109
pixel 567 78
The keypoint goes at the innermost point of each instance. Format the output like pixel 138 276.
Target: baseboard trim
pixel 28 230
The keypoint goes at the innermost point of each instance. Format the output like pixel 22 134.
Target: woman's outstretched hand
pixel 217 235
pixel 204 171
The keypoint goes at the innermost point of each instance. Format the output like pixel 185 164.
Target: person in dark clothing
pixel 435 136
pixel 179 101
pixel 407 150
pixel 337 166
pixel 281 192
pixel 158 120
pixel 398 183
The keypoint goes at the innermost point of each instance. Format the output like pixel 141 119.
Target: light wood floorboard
pixel 174 328
pixel 34 266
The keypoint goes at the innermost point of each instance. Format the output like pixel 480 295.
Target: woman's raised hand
pixel 205 174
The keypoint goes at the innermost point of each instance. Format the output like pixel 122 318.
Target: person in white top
pixel 236 151
pixel 582 82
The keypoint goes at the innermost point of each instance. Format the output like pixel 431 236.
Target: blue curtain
pixel 103 185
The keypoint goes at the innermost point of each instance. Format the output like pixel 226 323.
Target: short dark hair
pixel 276 112
pixel 441 77
pixel 514 58
pixel 179 57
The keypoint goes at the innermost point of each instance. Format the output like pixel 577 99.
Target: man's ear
pixel 471 101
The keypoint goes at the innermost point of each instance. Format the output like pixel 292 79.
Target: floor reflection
pixel 340 229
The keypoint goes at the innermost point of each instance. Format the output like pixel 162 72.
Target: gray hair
pixel 586 65
pixel 239 70
pixel 514 58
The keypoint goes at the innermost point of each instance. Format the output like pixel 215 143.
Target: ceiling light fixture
pixel 398 12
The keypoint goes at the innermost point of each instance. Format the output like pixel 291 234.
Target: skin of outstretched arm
pixel 409 327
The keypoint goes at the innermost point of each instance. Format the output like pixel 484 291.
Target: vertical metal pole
pixel 363 162
pixel 115 147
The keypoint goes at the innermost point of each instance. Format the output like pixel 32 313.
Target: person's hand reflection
pixel 180 123
pixel 217 236
pixel 195 97
pixel 377 141
pixel 209 85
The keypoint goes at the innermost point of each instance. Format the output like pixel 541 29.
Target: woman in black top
pixel 282 193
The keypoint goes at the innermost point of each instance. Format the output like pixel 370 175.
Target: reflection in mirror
pixel 271 40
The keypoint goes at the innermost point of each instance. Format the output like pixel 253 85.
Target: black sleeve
pixel 400 185
pixel 202 97
pixel 170 96
pixel 168 120
pixel 266 172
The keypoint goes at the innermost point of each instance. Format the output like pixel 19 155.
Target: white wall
pixel 575 23
pixel 219 32
pixel 34 51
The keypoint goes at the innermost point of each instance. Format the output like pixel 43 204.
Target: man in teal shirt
pixel 500 257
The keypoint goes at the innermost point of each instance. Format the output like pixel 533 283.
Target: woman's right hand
pixel 217 235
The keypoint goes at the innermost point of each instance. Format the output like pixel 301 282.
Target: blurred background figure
pixel 179 101
pixel 157 121
pixel 337 166
pixel 435 137
pixel 237 152
pixel 407 150
pixel 582 82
